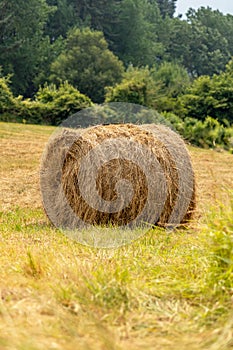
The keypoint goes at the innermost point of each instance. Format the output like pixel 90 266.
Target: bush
pixel 33 112
pixel 6 97
pixel 136 87
pixel 176 122
pixel 207 134
pixel 61 102
pixel 158 87
pixel 210 96
pixel 128 91
pixel 51 105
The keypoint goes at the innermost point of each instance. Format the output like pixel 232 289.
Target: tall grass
pixel 164 286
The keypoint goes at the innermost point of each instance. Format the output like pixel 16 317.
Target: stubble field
pixel 165 291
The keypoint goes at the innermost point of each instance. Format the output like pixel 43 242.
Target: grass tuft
pixel 167 290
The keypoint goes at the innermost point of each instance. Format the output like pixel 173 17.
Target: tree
pixel 61 19
pixel 49 51
pixel 211 97
pixel 167 7
pixel 87 63
pixel 209 47
pixel 21 33
pixel 215 19
pixel 177 36
pixel 203 43
pixel 136 38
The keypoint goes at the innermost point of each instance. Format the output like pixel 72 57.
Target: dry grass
pixel 149 148
pixel 155 294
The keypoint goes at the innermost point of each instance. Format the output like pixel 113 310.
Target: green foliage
pixel 21 27
pixel 156 87
pixel 173 77
pixel 209 40
pixel 6 96
pixel 207 134
pixel 62 101
pixel 176 122
pixel 29 111
pixel 136 87
pixel 136 39
pixel 87 64
pixel 149 87
pixel 85 42
pixel 49 51
pixel 196 98
pixel 167 7
pixel 202 43
pixel 101 15
pixel 171 80
pixel 51 104
pixel 211 96
pixel 61 19
pixel 128 91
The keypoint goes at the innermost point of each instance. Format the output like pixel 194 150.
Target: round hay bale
pixel 121 175
pixel 185 206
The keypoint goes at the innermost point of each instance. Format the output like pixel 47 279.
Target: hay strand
pixel 120 175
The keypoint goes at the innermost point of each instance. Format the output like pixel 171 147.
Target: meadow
pixel 165 291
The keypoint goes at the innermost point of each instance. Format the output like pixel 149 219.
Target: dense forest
pixel 58 56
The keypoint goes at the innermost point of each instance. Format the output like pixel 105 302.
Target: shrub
pixel 174 121
pixel 128 91
pixel 61 101
pixel 207 134
pixel 210 96
pixel 6 96
pixel 33 112
pixel 158 87
pixel 51 105
pixel 136 87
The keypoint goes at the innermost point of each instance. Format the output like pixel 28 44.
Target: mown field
pixel 165 291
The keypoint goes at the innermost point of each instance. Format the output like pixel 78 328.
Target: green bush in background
pixel 61 101
pixel 210 96
pixel 6 96
pixel 51 104
pixel 209 133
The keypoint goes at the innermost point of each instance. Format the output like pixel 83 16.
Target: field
pixel 165 291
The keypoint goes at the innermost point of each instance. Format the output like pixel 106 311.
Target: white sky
pixel 225 6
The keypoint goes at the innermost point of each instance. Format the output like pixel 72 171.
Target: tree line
pixel 108 50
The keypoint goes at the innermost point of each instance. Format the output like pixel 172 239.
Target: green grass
pixel 164 291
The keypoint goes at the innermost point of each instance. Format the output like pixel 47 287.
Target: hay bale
pixel 186 200
pixel 117 174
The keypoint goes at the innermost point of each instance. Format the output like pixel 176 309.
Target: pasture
pixel 165 291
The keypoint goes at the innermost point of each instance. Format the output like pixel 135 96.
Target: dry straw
pixel 151 160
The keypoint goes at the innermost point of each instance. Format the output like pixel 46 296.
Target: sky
pixel 225 6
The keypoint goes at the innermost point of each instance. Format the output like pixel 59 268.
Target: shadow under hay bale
pixel 120 175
